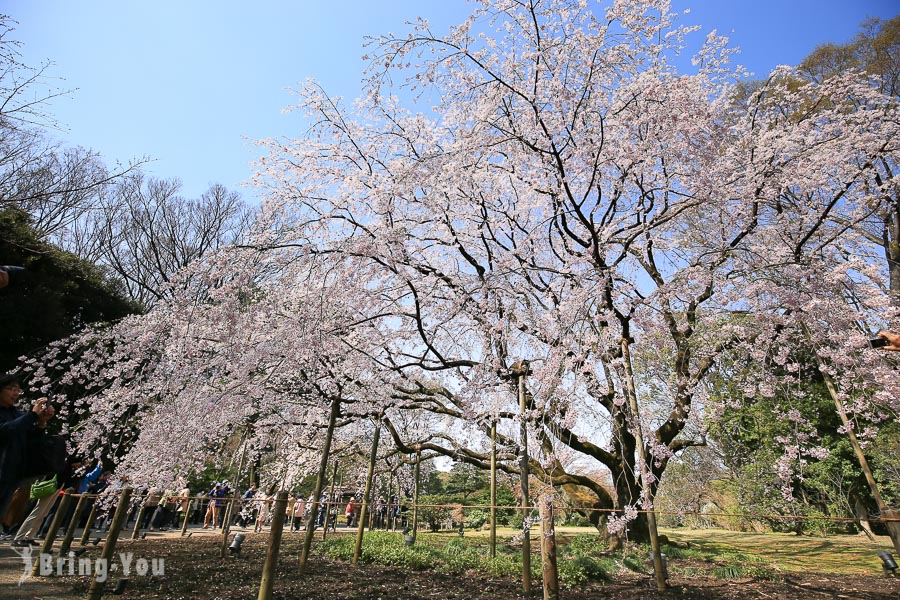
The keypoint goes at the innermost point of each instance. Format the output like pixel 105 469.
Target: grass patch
pixel 579 563
pixel 836 554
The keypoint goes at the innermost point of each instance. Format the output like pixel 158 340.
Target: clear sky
pixel 188 82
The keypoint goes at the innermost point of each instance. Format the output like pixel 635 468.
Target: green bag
pixel 42 489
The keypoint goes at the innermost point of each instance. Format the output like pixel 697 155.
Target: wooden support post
pixel 226 527
pixel 415 523
pixel 55 524
pixel 109 548
pixel 548 549
pixel 357 551
pixel 331 502
pixel 73 524
pixel 268 574
pixel 643 459
pixel 389 523
pixel 320 483
pixel 137 521
pixel 892 526
pixel 523 479
pixel 187 514
pixel 86 534
pixel 493 488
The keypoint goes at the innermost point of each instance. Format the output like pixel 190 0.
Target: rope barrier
pixel 517 507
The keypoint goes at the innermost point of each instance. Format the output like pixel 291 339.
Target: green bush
pixel 476 518
pixel 433 515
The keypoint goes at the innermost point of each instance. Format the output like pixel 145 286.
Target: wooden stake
pixel 73 523
pixel 320 483
pixel 523 479
pixel 645 467
pixel 187 513
pixel 357 551
pixel 415 523
pixel 55 524
pixel 493 488
pixel 548 549
pixel 226 527
pixel 86 534
pixel 137 522
pixel 268 574
pixel 109 548
pixel 893 527
pixel 330 501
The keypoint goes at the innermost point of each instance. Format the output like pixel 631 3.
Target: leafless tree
pixel 145 231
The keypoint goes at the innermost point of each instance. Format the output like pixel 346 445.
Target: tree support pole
pixel 109 548
pixel 86 534
pixel 523 478
pixel 320 483
pixel 493 488
pixel 73 523
pixel 893 527
pixel 645 467
pixel 548 549
pixel 226 527
pixel 268 574
pixel 415 523
pixel 357 551
pixel 55 524
pixel 187 513
pixel 331 501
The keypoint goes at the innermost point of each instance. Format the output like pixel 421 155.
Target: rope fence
pixel 123 506
pixel 330 504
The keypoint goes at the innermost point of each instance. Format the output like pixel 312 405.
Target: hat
pixel 8 379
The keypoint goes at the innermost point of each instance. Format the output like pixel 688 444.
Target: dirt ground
pixel 194 569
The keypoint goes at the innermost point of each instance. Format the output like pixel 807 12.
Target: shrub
pixel 476 518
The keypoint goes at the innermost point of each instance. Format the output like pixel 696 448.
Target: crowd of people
pixel 35 472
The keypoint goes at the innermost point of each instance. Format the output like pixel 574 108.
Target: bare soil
pixel 194 569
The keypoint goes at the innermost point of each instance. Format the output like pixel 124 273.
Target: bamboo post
pixel 73 523
pixel 493 488
pixel 357 551
pixel 644 466
pixel 226 527
pixel 320 483
pixel 268 574
pixel 521 369
pixel 109 548
pixel 892 526
pixel 415 523
pixel 86 534
pixel 187 514
pixel 137 522
pixel 55 524
pixel 548 549
pixel 331 501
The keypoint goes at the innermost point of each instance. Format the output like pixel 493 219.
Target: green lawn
pixel 839 554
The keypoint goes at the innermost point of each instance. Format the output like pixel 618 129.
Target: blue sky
pixel 187 82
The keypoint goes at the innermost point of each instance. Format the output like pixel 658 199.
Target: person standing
pixel 18 429
pixel 213 508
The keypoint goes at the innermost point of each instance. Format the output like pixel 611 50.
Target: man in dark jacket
pixel 17 430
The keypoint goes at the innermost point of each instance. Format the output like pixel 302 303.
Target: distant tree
pixel 876 51
pixel 58 295
pixel 56 185
pixel 465 480
pixel 145 231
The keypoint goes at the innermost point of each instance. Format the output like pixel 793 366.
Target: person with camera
pixel 892 341
pixel 18 431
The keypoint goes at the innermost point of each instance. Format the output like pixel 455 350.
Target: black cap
pixel 8 379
